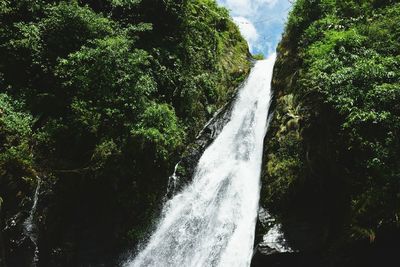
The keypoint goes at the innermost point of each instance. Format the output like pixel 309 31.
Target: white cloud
pixel 260 21
pixel 247 7
pixel 239 7
pixel 248 31
pixel 270 3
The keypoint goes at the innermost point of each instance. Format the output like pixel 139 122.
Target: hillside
pixel 331 172
pixel 98 99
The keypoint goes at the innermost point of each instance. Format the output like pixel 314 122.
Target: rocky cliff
pixel 331 158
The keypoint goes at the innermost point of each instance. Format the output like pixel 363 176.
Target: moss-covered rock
pixel 331 152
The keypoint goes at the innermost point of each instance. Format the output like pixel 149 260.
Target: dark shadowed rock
pixel 285 260
pixel 186 166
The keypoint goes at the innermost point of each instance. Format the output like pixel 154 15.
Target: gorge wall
pixel 331 170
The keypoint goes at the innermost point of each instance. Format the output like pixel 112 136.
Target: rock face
pixel 20 247
pixel 185 168
pixel 2 254
pixel 286 259
pixel 330 172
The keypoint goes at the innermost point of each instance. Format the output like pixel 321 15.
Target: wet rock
pixel 20 249
pixel 186 167
pixel 270 237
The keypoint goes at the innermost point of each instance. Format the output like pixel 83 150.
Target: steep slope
pixel 332 169
pixel 98 100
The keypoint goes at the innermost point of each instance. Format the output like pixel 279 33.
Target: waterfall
pixel 172 183
pixel 30 228
pixel 211 222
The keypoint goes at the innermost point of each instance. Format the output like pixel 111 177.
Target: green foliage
pixel 259 57
pixel 283 168
pixel 159 128
pixel 15 138
pixel 110 74
pixel 66 27
pixel 344 73
pixel 212 58
pixel 90 77
pixel 117 3
pixel 17 160
pixel 108 93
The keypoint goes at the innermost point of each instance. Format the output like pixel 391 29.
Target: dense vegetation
pixel 332 151
pixel 97 100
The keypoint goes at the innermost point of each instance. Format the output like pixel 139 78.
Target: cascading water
pixel 30 225
pixel 212 221
pixel 172 182
pixel 274 240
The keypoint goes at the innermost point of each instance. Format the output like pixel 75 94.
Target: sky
pixel 261 22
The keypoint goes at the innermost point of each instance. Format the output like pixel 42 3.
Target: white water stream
pixel 30 227
pixel 212 221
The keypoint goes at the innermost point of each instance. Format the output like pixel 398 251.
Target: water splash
pixel 211 222
pixel 30 227
pixel 274 240
pixel 173 181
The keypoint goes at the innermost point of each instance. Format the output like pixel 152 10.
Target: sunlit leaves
pixel 159 129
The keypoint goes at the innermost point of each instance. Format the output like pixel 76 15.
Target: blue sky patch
pixel 260 21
